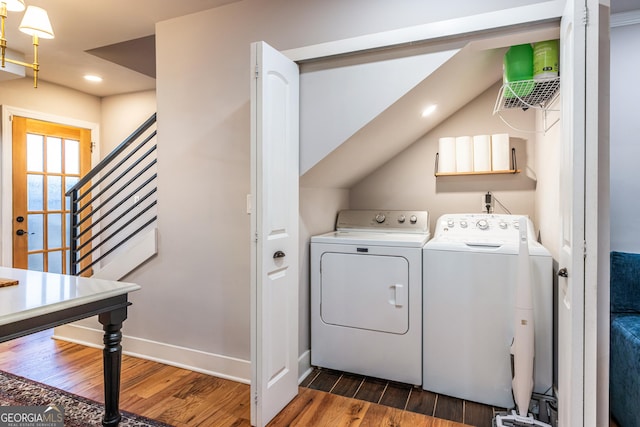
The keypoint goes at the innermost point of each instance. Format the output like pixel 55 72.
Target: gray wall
pixel 199 283
pixel 625 139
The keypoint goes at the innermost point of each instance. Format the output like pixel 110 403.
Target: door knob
pixel 22 232
pixel 278 254
pixel 563 272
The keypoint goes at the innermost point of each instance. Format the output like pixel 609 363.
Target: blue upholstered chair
pixel 624 382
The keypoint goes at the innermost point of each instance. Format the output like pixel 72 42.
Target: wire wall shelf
pixel 527 94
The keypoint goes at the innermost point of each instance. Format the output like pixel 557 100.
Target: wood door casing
pixel 73 153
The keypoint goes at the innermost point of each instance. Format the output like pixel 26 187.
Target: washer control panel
pixel 383 220
pixel 481 228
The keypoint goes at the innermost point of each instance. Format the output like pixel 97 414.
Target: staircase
pixel 112 225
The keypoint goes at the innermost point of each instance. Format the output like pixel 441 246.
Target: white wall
pixel 407 181
pixel 122 114
pixel 625 139
pixel 51 99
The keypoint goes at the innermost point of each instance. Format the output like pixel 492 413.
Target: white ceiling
pixel 119 30
pixel 80 26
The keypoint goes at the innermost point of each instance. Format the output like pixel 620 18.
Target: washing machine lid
pixel 373 238
pixel 490 246
pixel 483 233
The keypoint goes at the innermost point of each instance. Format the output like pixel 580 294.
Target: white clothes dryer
pixel 470 271
pixel 366 294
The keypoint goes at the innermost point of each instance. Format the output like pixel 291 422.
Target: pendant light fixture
pixel 35 22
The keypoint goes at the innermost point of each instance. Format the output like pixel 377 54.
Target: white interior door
pixel 274 189
pixel 579 256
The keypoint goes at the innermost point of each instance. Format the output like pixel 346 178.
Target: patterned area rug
pixel 78 411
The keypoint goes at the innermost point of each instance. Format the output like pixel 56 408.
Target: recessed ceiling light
pixel 92 78
pixel 429 110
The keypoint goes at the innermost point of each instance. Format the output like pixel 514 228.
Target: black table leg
pixel 112 362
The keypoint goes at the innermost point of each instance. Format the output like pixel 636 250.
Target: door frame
pixel 6 173
pixel 516 18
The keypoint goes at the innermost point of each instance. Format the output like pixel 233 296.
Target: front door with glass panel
pixel 48 159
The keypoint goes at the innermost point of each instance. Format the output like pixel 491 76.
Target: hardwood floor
pixel 185 398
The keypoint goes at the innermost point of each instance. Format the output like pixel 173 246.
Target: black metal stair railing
pixel 115 201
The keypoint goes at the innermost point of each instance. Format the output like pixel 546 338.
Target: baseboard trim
pixel 304 365
pixel 181 357
pixel 229 368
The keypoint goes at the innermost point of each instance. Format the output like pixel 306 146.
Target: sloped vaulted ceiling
pixel 460 79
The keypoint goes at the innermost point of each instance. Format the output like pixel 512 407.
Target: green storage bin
pixel 518 71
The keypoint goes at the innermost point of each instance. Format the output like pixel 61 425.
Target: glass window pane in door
pixel 54 230
pixel 35 262
pixel 69 181
pixel 54 193
pixel 35 153
pixel 54 262
pixel 35 227
pixel 35 192
pixel 54 155
pixel 71 156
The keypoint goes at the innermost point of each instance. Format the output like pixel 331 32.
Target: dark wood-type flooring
pixel 401 396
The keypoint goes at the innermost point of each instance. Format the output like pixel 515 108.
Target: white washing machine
pixel 470 270
pixel 366 294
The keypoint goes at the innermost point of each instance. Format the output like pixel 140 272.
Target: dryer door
pixel 365 291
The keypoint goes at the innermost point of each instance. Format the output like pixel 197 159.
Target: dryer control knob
pixel 450 223
pixel 503 225
pixel 401 219
pixel 413 219
pixel 463 224
pixel 482 224
pixel 380 218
